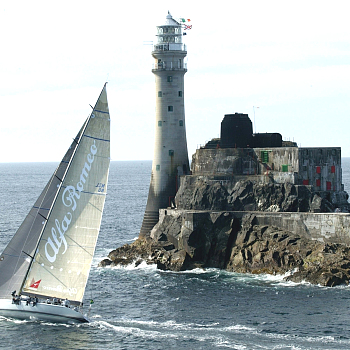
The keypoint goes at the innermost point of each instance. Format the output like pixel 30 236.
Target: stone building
pixel 232 155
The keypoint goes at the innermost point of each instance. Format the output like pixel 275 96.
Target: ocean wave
pixel 191 326
pixel 214 274
pixel 129 329
pixel 321 339
pixel 234 337
pixel 14 320
pixel 134 266
pixel 211 333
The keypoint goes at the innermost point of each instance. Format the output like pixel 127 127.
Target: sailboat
pixel 45 267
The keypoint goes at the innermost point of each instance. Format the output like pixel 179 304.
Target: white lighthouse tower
pixel 170 159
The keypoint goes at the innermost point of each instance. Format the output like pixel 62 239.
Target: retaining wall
pixel 326 227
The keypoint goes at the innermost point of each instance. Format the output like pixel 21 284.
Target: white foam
pixel 197 271
pixel 142 266
pixel 135 331
pixel 311 339
pixel 171 329
pixel 240 328
pixel 132 266
pixel 13 320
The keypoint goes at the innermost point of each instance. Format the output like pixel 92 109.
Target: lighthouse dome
pixel 170 20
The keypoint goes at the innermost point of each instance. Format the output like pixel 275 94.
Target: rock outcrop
pixel 224 241
pixel 199 193
pixel 221 239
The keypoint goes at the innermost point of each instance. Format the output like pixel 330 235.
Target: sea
pixel 144 308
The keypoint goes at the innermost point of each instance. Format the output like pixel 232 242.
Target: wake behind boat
pixel 45 267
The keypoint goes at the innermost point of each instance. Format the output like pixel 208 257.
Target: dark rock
pixel 217 238
pixel 104 263
pixel 200 193
pixel 223 241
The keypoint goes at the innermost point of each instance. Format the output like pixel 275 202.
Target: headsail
pixel 60 232
pixel 16 258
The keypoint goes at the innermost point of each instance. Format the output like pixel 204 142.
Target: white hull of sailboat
pixel 41 311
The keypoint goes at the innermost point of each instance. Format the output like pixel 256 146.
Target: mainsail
pixel 51 253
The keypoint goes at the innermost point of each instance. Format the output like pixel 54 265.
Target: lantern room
pixel 169 36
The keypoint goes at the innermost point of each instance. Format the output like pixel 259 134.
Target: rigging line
pixel 60 180
pixel 79 245
pixel 42 216
pixel 27 254
pixel 101 211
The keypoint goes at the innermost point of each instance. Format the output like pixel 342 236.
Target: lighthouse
pixel 170 158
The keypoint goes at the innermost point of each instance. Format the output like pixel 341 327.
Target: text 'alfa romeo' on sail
pixel 45 267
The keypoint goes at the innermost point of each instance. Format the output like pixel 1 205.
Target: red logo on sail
pixel 34 284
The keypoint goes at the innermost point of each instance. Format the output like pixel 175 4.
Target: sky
pixel 284 63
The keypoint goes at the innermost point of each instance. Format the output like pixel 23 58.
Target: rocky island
pixel 277 209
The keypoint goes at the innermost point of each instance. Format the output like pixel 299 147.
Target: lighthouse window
pixel 158 167
pixel 171 152
pixel 180 93
pixel 160 94
pixel 159 123
pixel 170 108
pixel 169 79
pixel 181 123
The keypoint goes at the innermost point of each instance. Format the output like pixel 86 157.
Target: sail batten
pixel 95 138
pixel 72 214
pixel 103 112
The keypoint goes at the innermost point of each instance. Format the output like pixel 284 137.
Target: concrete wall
pixel 225 161
pixel 325 227
pixel 277 158
pixel 317 167
pixel 321 168
pixel 245 161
